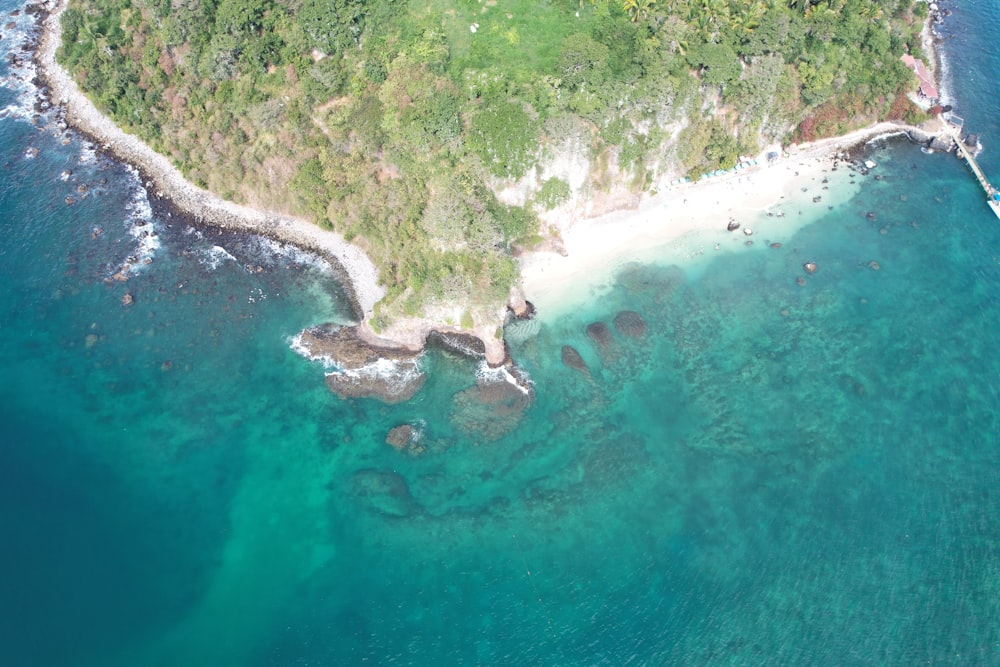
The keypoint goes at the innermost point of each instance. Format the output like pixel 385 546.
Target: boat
pixel 994 202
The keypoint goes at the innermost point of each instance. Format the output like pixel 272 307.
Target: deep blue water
pixel 774 474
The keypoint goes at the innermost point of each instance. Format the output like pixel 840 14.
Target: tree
pixel 718 63
pixel 637 9
pixel 332 25
pixel 582 60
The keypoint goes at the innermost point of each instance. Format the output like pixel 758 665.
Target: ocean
pixel 772 473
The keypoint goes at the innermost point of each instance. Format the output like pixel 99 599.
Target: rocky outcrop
pixel 600 333
pixel 492 408
pixel 362 370
pixel 405 438
pixel 630 323
pixel 461 343
pixel 572 359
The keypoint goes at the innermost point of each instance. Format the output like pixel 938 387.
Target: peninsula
pixel 448 158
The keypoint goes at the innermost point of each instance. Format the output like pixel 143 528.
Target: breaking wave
pixel 513 375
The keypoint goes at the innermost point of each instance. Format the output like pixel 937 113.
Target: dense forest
pixel 396 121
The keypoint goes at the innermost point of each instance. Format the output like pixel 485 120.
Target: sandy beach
pixel 687 220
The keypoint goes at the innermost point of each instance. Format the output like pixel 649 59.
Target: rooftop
pixel 927 87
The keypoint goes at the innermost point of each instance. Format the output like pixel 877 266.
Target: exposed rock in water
pixel 346 349
pixel 405 437
pixel 491 409
pixel 732 226
pixel 400 436
pixel 810 267
pixel 572 358
pixel 630 323
pixel 518 305
pixel 363 370
pixel 388 381
pixel 462 343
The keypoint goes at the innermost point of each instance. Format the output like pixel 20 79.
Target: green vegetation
pixel 394 121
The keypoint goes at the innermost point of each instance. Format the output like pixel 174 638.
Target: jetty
pixel 953 126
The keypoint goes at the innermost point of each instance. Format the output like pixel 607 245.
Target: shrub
pixel 554 191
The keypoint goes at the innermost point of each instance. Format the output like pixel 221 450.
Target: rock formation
pixel 630 323
pixel 572 359
pixel 363 370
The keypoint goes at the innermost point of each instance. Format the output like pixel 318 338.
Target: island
pixel 458 160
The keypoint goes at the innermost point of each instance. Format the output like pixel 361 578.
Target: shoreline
pixel 164 182
pixel 593 245
pixel 688 219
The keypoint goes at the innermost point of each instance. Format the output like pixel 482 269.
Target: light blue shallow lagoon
pixel 771 474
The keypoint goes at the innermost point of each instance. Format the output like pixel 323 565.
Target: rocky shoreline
pixel 168 188
pixel 164 181
pixel 409 337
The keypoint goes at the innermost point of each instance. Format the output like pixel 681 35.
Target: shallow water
pixel 773 473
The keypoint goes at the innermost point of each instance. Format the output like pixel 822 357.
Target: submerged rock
pixel 600 333
pixel 572 359
pixel 384 492
pixel 492 408
pixel 630 323
pixel 388 381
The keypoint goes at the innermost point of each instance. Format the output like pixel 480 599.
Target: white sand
pixel 684 222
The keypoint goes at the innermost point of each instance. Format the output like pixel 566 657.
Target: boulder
pixel 810 267
pixel 399 437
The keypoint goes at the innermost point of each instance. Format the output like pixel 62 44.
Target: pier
pixel 953 126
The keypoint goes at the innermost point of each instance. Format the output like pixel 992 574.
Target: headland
pixel 589 246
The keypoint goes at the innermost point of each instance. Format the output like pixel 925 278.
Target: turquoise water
pixel 774 474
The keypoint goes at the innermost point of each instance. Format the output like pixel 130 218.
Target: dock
pixel 953 126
